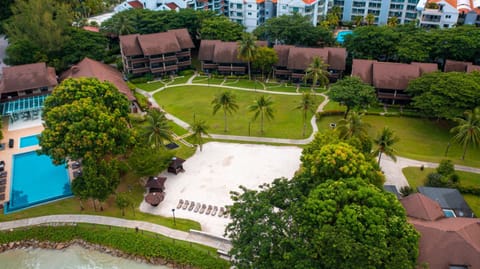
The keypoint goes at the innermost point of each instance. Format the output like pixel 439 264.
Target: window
pixel 239 14
pixel 249 5
pixel 393 6
pixel 284 7
pixel 295 9
pixel 374 5
pixel 448 16
pixel 239 5
pixel 249 13
pixel 411 7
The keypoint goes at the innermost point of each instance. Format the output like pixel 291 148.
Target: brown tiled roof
pixel 226 52
pixel 89 68
pixel 393 75
pixel 363 69
pixel 183 38
pixel 207 47
pixel 136 4
pixel 27 76
pixel 337 58
pixel 129 45
pixel 301 58
pixel 449 241
pixel 172 6
pixel 282 53
pixel 158 43
pixel 91 29
pixel 455 66
pixel 419 206
pixel 426 67
pixel 261 43
pixel 471 68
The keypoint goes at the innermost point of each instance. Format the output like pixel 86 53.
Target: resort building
pixel 293 61
pixel 158 54
pixel 88 68
pixel 250 13
pixel 303 7
pixel 222 57
pixel 457 66
pixel 390 79
pixel 23 89
pixel 404 10
pixel 445 242
pixel 218 6
pixel 447 13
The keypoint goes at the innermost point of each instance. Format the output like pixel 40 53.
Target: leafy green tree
pixel 357 20
pixel 317 72
pixel 146 161
pixel 307 104
pixel 85 118
pixel 370 19
pixel 83 44
pixel 432 93
pixel 199 129
pixel 265 58
pixel 352 126
pixel 392 21
pixel 384 144
pixel 119 25
pixel 24 52
pixel 80 190
pixel 262 107
pixel 122 200
pixel 221 28
pixel 353 93
pixel 226 101
pixel 467 131
pixel 373 42
pixel 247 50
pixel 5 12
pixel 157 129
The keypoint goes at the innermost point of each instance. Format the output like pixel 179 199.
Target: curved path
pixel 220 244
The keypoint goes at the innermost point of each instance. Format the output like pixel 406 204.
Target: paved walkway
pixel 195 237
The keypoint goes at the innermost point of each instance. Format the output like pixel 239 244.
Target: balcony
pixel 238 69
pixel 137 60
pixel 209 66
pixel 183 54
pixel 298 75
pixel 139 70
pixel 398 96
pixel 282 72
pixel 184 63
pixel 163 59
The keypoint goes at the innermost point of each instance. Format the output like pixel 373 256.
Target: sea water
pixel 74 257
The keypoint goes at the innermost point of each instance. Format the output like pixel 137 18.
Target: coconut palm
pixel 306 104
pixel 123 26
pixel 384 143
pixel 357 20
pixel 370 19
pixel 199 129
pixel 467 130
pixel 392 21
pixel 352 126
pixel 157 130
pixel 317 72
pixel 227 101
pixel 262 107
pixel 247 49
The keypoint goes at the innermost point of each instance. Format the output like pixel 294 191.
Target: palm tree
pixel 227 101
pixel 352 126
pixel 384 142
pixel 199 129
pixel 263 108
pixel 468 130
pixel 317 72
pixel 370 19
pixel 357 20
pixel 306 104
pixel 157 130
pixel 123 26
pixel 247 49
pixel 392 21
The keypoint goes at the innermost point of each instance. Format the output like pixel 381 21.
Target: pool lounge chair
pixel 192 204
pixel 221 212
pixel 3 181
pixel 215 209
pixel 2 196
pixel 209 209
pixel 180 204
pixel 202 209
pixel 3 174
pixel 185 205
pixel 197 207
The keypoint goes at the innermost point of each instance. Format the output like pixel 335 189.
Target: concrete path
pixel 218 243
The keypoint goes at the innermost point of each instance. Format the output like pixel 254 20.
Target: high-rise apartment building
pixel 404 10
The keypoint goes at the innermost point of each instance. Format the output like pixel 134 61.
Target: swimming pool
pixel 28 141
pixel 36 180
pixel 341 35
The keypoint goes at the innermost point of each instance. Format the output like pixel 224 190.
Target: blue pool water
pixel 36 180
pixel 341 35
pixel 28 141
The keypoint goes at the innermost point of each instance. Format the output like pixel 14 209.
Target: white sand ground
pixel 210 175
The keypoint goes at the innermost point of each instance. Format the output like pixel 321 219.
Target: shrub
pixel 330 113
pixel 186 72
pixel 446 168
pixel 435 180
pixel 142 101
pixel 406 191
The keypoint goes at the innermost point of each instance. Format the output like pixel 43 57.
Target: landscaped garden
pixel 191 103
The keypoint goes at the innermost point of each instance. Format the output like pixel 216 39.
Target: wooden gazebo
pixel 155 198
pixel 156 184
pixel 176 165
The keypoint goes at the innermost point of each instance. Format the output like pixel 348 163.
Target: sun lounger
pixel 202 209
pixel 221 212
pixel 209 209
pixel 225 215
pixel 215 209
pixel 191 206
pixel 3 181
pixel 185 205
pixel 3 174
pixel 2 197
pixel 75 165
pixel 180 204
pixel 197 207
pixel 2 188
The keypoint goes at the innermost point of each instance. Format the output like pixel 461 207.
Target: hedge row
pixel 128 241
pixel 469 189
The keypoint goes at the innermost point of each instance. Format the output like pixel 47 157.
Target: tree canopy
pixel 353 93
pixel 221 28
pixel 265 58
pixel 85 118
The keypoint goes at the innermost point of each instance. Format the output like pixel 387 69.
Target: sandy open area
pixel 210 175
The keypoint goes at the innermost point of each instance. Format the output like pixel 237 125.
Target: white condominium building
pixel 250 13
pixel 447 13
pixel 303 7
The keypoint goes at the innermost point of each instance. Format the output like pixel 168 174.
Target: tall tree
pixel 146 161
pixel 384 144
pixel 247 50
pixel 265 58
pixel 352 126
pixel 226 101
pixel 370 19
pixel 122 200
pixel 392 21
pixel 222 28
pixel 5 12
pixel 467 131
pixel 85 118
pixel 199 129
pixel 262 107
pixel 157 129
pixel 317 72
pixel 353 93
pixel 307 104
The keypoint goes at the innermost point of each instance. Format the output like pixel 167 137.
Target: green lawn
pixel 416 178
pixel 187 102
pixel 151 86
pixel 420 139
